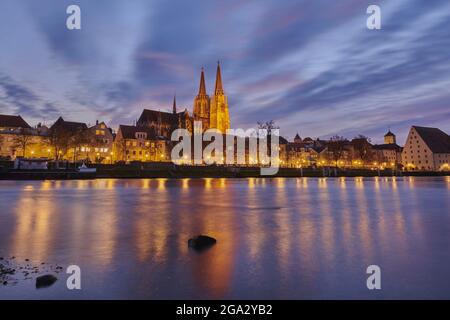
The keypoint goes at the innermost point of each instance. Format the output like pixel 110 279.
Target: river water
pixel 305 238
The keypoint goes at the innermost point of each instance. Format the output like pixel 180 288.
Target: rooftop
pixel 9 121
pixel 437 140
pixel 129 132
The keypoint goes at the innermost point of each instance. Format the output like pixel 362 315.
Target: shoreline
pixel 192 172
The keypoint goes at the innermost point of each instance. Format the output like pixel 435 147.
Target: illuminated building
pixel 426 149
pixel 135 143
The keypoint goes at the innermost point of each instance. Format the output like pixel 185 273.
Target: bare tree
pixel 122 148
pixel 22 140
pixel 77 140
pixel 336 148
pixel 59 140
pixel 362 148
pixel 268 125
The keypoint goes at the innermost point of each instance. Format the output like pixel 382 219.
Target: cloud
pixel 18 99
pixel 310 65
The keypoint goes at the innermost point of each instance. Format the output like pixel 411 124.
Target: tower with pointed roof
pixel 219 116
pixel 389 138
pixel 202 104
pixel 174 107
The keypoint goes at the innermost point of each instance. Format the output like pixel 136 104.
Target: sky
pixel 310 65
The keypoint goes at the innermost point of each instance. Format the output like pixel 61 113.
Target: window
pixel 141 135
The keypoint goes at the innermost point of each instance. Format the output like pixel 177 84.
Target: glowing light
pixel 185 183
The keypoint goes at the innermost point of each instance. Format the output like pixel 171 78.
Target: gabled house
pixel 426 149
pixel 139 143
pixel 9 123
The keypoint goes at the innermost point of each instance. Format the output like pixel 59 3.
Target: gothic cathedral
pixel 212 112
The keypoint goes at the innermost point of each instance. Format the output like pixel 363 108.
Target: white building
pixel 426 149
pixel 388 154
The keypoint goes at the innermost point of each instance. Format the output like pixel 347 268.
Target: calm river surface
pixel 302 238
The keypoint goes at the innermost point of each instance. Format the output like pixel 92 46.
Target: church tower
pixel 202 104
pixel 174 106
pixel 389 138
pixel 219 116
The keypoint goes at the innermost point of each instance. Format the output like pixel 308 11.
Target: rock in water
pixel 45 281
pixel 201 242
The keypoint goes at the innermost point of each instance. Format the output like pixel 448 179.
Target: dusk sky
pixel 312 66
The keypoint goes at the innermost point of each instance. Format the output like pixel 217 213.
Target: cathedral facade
pixel 212 111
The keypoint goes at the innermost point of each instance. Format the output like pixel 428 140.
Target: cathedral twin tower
pixel 212 112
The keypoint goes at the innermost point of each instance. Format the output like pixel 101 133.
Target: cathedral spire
pixel 219 87
pixel 201 103
pixel 174 108
pixel 219 116
pixel 202 89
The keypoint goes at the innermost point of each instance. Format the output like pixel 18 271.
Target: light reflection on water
pixel 277 238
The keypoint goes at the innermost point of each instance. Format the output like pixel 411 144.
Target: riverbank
pixel 169 170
